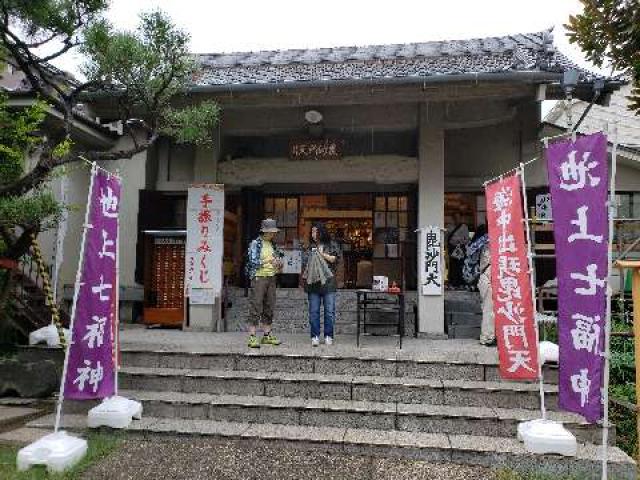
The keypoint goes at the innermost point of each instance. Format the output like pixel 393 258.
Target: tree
pixel 610 31
pixel 143 71
pixel 20 134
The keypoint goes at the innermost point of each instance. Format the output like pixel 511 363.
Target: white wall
pixel 133 174
pixel 77 188
pixel 474 155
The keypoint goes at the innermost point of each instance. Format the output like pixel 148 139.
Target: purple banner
pixel 90 371
pixel 578 181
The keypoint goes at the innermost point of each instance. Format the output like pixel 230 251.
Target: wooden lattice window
pixel 391 219
pixel 285 211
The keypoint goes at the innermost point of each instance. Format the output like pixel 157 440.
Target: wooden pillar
pixel 634 265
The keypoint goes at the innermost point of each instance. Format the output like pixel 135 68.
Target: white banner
pixel 431 260
pixel 205 243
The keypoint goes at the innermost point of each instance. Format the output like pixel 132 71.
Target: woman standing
pixel 321 262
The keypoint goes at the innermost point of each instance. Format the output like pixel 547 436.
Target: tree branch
pixel 28 62
pixel 118 154
pixel 46 164
pixel 31 180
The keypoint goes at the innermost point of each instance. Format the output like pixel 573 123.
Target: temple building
pixel 376 141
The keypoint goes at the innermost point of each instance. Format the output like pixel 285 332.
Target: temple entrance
pixel 375 232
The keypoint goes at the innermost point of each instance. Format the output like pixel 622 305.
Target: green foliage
pixel 101 445
pixel 622 363
pixel 147 69
pixel 38 19
pixel 62 149
pixel 610 31
pixel 19 136
pixel 148 66
pixel 38 209
pixel 191 124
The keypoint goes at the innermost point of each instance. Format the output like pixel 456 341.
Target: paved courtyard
pixel 205 459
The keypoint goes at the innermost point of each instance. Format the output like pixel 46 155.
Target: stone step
pixel 439 365
pixel 354 413
pixel 464 393
pixel 493 452
pixel 11 416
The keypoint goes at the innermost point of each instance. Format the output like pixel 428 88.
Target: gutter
pixel 531 76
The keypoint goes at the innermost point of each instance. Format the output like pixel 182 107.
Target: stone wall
pixel 292 312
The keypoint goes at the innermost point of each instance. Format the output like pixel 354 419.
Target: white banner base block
pixel 48 335
pixel 549 352
pixel 114 412
pixel 546 436
pixel 58 451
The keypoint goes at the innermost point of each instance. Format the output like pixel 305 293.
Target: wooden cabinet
pixel 164 278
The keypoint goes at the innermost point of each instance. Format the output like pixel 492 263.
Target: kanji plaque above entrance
pixel 324 149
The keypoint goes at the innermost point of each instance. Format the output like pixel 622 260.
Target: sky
pixel 227 26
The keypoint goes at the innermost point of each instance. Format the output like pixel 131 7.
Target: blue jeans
pixel 329 300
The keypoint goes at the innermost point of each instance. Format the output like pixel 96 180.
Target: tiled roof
pixel 521 52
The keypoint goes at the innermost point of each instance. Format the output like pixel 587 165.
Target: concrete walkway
pixel 205 459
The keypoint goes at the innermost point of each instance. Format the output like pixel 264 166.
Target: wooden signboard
pixel 324 149
pixel 164 282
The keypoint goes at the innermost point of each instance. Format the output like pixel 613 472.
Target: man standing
pixel 264 261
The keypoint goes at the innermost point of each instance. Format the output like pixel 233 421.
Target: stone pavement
pixel 204 459
pixel 14 414
pixel 470 351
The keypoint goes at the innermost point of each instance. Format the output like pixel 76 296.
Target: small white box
pixel 546 436
pixel 114 412
pixel 380 283
pixel 58 451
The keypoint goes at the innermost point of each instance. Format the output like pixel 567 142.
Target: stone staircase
pixel 420 403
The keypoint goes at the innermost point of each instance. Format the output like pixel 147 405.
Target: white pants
pixel 488 328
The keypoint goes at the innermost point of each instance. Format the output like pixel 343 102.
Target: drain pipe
pixel 598 85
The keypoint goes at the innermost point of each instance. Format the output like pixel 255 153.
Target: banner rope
pixel 91 164
pixel 46 286
pixel 509 172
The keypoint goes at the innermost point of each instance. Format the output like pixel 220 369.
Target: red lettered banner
pixel 510 281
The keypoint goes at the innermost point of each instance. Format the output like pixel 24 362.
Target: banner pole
pixel 116 320
pixel 607 331
pixel 523 184
pixel 75 300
